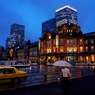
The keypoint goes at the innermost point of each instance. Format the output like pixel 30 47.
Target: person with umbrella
pixel 65 79
pixel 65 74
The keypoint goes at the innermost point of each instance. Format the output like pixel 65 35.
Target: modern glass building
pixel 65 14
pixel 48 26
pixel 8 44
pixel 17 34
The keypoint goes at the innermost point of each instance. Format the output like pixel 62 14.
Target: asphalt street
pixel 80 86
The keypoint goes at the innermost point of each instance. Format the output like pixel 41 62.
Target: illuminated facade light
pixel 49 37
pixel 66 6
pixel 81 49
pixel 86 58
pixel 92 58
pixel 39 43
pixel 57 41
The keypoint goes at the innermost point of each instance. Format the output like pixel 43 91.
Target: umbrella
pixel 62 63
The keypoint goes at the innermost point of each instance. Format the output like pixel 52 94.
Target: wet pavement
pixel 80 86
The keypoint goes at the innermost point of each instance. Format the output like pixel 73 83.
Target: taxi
pixel 11 74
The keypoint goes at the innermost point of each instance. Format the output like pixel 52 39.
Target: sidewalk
pixel 80 86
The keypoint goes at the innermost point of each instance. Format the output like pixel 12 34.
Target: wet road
pixel 36 75
pixel 80 86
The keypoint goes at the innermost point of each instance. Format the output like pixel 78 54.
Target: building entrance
pixel 50 59
pixel 71 59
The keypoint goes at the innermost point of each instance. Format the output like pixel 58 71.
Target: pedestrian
pixel 65 79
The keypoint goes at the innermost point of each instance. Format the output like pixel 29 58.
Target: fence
pixel 36 78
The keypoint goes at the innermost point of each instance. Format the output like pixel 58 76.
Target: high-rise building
pixel 1 50
pixel 65 14
pixel 48 26
pixel 8 44
pixel 17 35
pixel 25 41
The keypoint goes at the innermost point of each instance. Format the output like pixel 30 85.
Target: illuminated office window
pixel 92 48
pixel 81 49
pixel 71 42
pixel 48 50
pixel 69 23
pixel 67 31
pixel 53 42
pixel 86 58
pixel 71 50
pixel 86 41
pixel 61 41
pixel 71 30
pixel 86 49
pixel 75 49
pixel 61 48
pixel 92 41
pixel 92 57
pixel 81 41
pixel 81 58
pixel 67 42
pixel 54 49
pixel 67 49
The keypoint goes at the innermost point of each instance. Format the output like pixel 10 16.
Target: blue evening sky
pixel 32 13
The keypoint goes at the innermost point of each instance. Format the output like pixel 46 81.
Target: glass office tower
pixel 65 14
pixel 8 44
pixel 48 26
pixel 17 35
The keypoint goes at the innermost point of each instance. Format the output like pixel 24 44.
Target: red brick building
pixel 68 43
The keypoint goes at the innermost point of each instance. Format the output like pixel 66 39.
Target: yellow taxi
pixel 11 74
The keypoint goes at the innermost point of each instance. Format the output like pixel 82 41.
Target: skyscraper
pixel 48 26
pixel 8 44
pixel 65 14
pixel 17 34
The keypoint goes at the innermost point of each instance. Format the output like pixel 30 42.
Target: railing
pixel 36 78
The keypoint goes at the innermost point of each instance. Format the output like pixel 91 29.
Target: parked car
pixel 11 74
